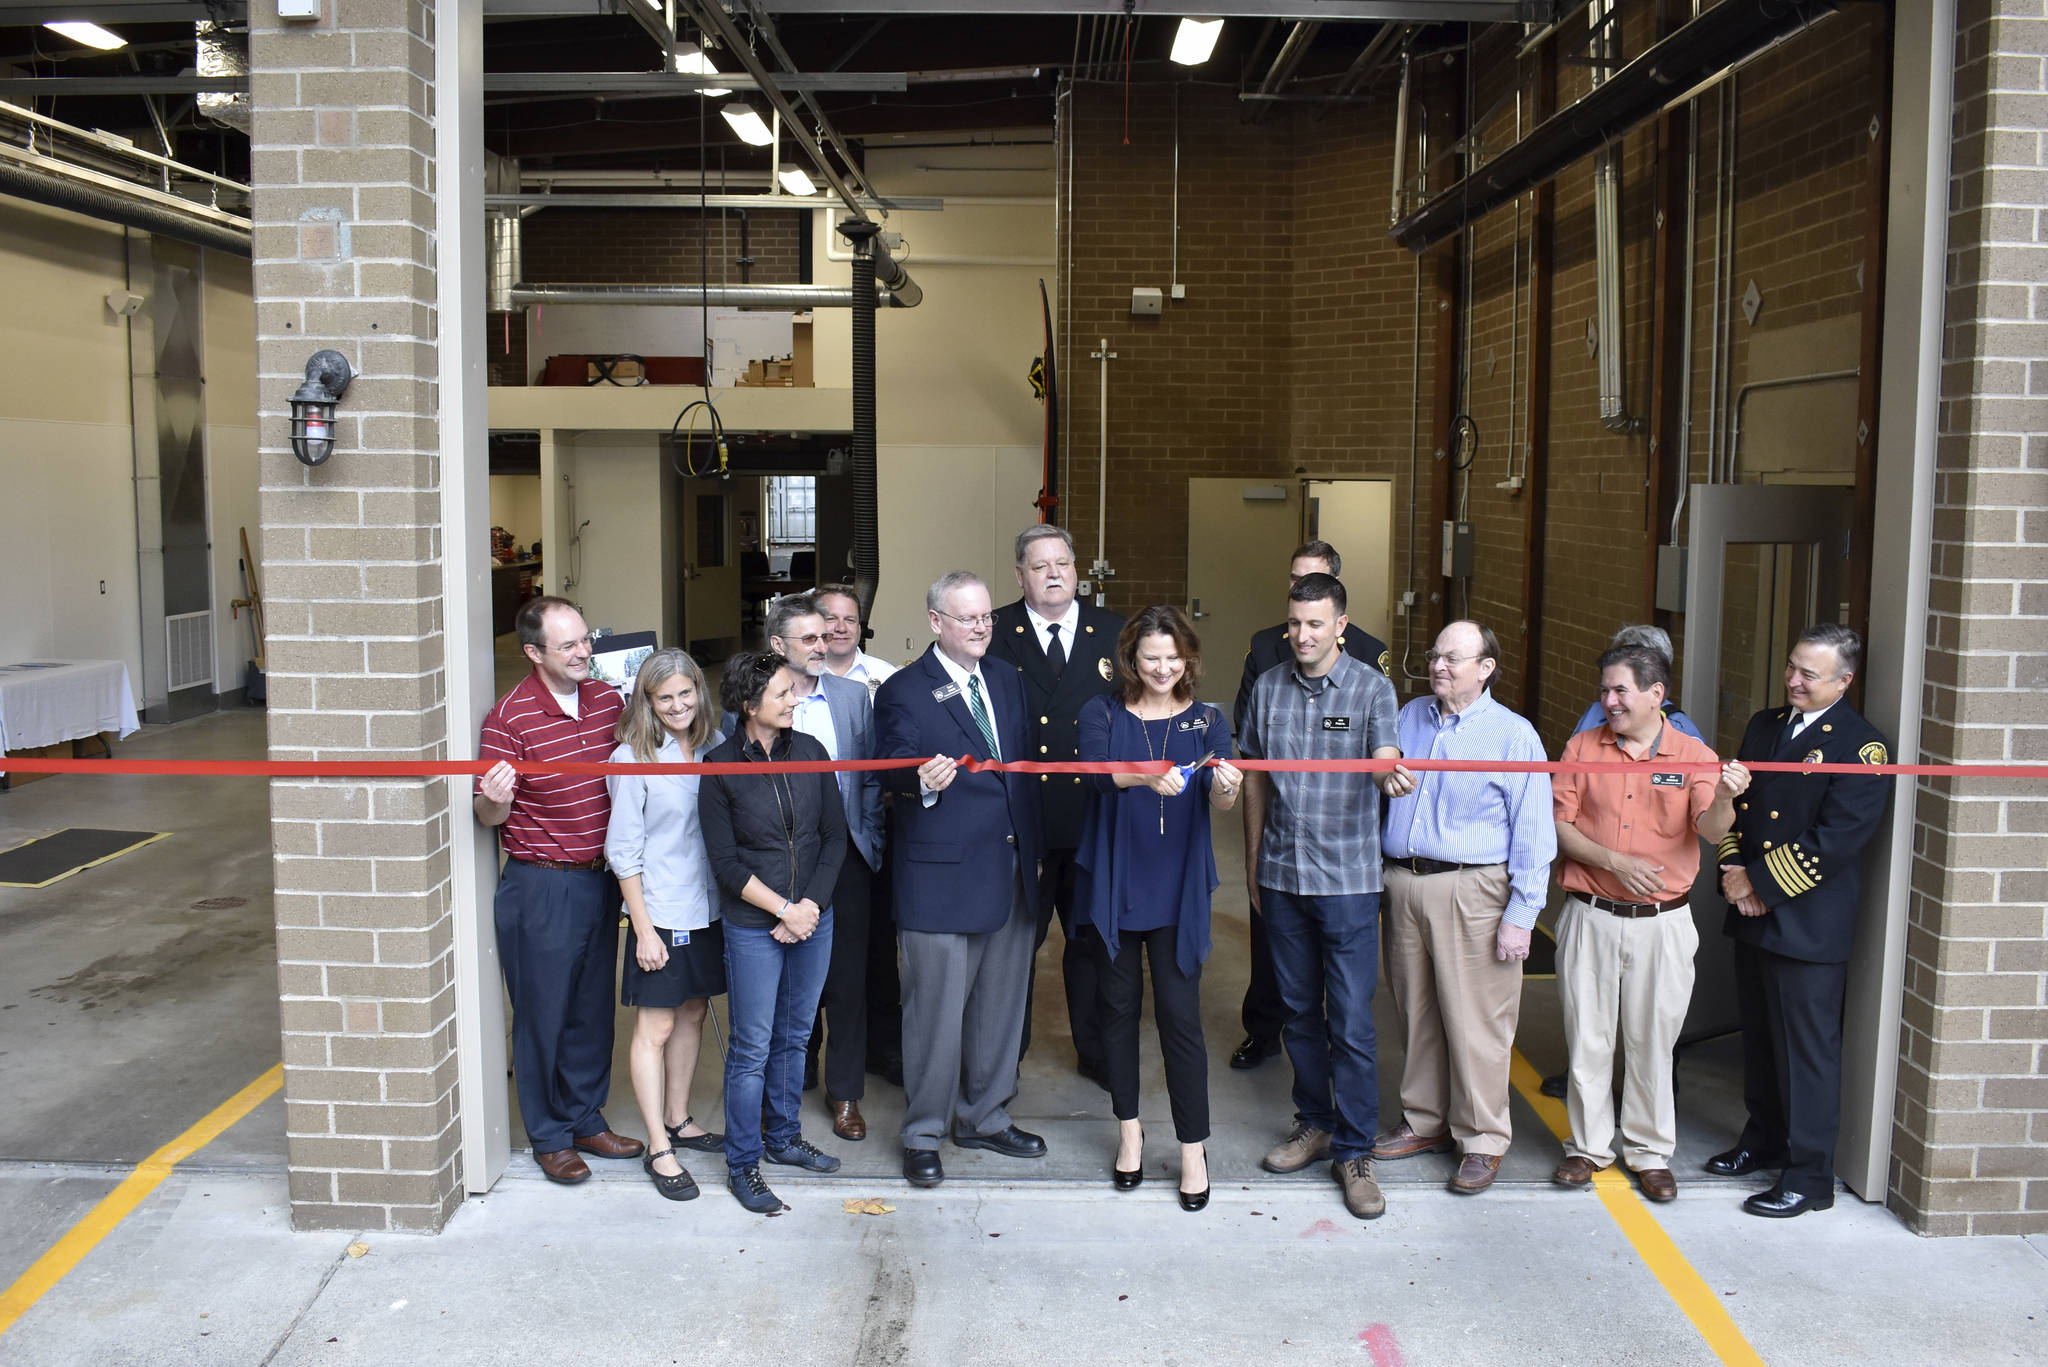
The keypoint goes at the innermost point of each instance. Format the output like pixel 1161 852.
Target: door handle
pixel 1195 610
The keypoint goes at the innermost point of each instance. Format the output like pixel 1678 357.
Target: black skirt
pixel 696 969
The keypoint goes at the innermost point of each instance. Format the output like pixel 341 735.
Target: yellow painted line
pixel 1678 1277
pixel 88 864
pixel 148 1175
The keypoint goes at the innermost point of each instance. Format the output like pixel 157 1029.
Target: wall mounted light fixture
pixel 327 377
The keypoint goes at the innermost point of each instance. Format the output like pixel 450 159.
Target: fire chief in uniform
pixel 1789 869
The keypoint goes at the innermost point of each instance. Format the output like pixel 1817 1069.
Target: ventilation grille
pixel 189 639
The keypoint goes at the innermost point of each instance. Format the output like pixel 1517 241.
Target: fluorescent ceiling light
pixel 1195 39
pixel 92 35
pixel 795 180
pixel 750 126
pixel 691 61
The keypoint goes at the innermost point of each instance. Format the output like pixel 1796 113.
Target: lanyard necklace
pixel 1165 734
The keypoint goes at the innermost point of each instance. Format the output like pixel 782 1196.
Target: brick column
pixel 343 167
pixel 1970 1140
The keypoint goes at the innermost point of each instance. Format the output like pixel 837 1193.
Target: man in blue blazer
pixel 840 714
pixel 965 867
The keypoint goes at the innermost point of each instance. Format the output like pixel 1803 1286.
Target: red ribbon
pixel 431 768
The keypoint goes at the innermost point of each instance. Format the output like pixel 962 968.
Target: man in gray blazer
pixel 840 713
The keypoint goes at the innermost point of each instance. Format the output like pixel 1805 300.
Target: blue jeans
pixel 772 998
pixel 1326 956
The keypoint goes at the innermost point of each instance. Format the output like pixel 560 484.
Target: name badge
pixel 951 690
pixel 1667 780
pixel 679 938
pixel 1194 723
pixel 1336 723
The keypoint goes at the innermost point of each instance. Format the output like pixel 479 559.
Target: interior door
pixel 1240 533
pixel 710 571
pixel 1767 561
pixel 1357 517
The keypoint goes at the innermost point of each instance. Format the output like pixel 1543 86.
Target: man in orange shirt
pixel 1629 842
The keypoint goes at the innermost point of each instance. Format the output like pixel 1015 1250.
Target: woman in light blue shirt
pixel 675 957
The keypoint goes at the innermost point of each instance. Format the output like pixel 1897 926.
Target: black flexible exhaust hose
pixel 867 551
pixel 148 217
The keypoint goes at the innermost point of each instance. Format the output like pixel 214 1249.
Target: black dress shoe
pixel 1740 1162
pixel 1129 1180
pixel 1554 1085
pixel 921 1167
pixel 1253 1052
pixel 1009 1140
pixel 1780 1204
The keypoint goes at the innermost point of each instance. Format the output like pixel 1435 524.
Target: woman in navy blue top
pixel 1147 872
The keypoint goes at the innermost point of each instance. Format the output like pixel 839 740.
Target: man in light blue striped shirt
pixel 1468 867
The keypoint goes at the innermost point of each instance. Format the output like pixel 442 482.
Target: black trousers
pixel 1264 1013
pixel 1176 1010
pixel 884 997
pixel 558 944
pixel 1080 963
pixel 843 1006
pixel 1792 1062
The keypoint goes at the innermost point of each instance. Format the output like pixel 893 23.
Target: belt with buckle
pixel 1416 864
pixel 1614 908
pixel 596 865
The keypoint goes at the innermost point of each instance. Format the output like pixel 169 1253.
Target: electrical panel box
pixel 1147 301
pixel 1457 550
pixel 1672 564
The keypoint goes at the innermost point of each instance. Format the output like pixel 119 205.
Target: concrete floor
pixel 126 1014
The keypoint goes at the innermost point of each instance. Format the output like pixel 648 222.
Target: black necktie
pixel 1056 652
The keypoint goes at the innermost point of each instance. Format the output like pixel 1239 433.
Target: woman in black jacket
pixel 775 842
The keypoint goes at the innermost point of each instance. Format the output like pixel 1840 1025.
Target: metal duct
pixel 1723 39
pixel 103 197
pixel 1603 24
pixel 867 546
pixel 223 52
pixel 502 262
pixel 697 296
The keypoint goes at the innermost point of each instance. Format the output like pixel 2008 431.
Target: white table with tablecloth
pixel 45 701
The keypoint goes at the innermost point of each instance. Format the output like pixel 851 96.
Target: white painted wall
pixel 959 435
pixel 515 506
pixel 618 489
pixel 67 524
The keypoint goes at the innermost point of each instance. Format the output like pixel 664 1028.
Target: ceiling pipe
pixel 792 297
pixel 1722 40
pixel 41 180
pixel 1603 24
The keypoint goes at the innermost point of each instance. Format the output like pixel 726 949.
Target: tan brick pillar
pixel 343 165
pixel 1970 1140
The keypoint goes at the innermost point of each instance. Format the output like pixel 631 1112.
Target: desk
pixel 48 702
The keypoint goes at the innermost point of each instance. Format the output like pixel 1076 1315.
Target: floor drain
pixel 220 903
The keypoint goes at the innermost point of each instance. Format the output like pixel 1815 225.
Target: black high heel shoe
pixel 1196 1200
pixel 1128 1181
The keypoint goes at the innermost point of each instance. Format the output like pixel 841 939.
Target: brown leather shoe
pixel 1403 1142
pixel 1476 1173
pixel 1657 1183
pixel 847 1122
pixel 605 1144
pixel 1574 1172
pixel 562 1165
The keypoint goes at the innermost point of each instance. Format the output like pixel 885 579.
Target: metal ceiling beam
pixel 1416 11
pixel 676 83
pixel 117 11
pixel 913 203
pixel 765 27
pixel 57 87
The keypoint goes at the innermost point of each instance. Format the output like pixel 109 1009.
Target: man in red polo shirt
pixel 1626 938
pixel 557 907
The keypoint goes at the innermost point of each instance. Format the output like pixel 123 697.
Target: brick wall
pixel 343 169
pixel 1970 1138
pixel 658 247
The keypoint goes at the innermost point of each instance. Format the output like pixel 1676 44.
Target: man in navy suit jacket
pixel 965 864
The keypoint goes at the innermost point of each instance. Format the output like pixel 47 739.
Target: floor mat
pixel 44 861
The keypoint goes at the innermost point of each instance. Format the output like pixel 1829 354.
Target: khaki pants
pixel 1635 973
pixel 1458 1002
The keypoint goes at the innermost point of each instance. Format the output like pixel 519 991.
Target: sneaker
pixel 753 1193
pixel 1362 1196
pixel 801 1153
pixel 1305 1144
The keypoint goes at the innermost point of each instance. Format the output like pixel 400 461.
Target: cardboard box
pixel 624 370
pixel 769 375
pixel 800 357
